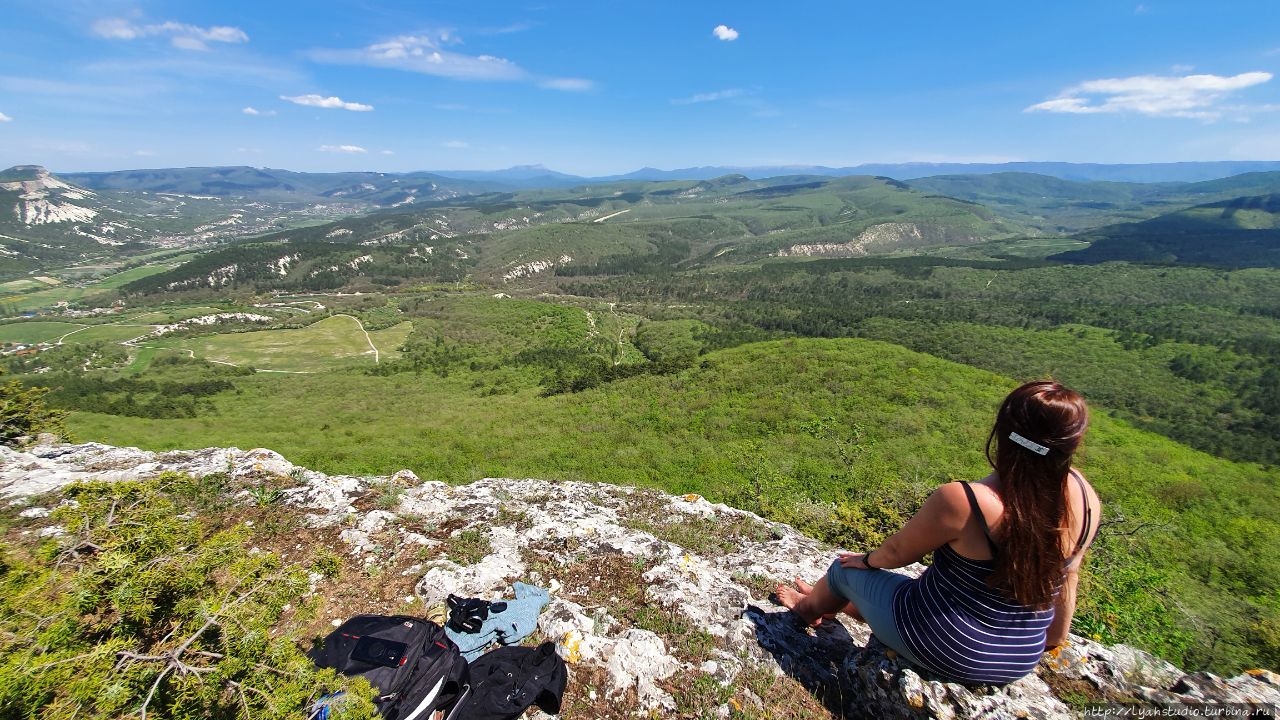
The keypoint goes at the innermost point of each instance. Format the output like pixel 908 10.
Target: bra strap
pixel 982 520
pixel 1088 513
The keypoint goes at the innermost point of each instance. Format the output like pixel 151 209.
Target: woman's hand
pixel 856 561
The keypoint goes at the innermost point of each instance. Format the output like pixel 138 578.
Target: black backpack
pixel 415 668
pixel 507 680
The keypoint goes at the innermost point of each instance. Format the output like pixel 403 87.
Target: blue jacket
pixel 509 626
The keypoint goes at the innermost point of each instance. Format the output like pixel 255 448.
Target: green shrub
pixel 140 609
pixel 23 413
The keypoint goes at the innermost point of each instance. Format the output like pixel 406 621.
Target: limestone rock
pixel 708 566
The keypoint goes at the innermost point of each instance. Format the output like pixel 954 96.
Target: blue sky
pixel 601 86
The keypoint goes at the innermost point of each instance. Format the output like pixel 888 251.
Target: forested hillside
pixel 1240 232
pixel 820 350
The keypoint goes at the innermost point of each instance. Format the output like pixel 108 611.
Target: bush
pixel 141 610
pixel 23 413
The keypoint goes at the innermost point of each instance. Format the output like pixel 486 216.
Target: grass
pixel 36 332
pixel 679 432
pixel 763 426
pixel 172 315
pixel 110 332
pixel 468 547
pixel 388 340
pixel 121 278
pixel 329 343
pixel 22 285
pixel 40 299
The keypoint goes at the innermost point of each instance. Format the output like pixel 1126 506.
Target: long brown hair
pixel 1033 486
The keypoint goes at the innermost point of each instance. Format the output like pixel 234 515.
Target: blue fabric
pixel 508 627
pixel 872 592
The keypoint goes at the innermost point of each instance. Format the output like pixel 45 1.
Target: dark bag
pixel 415 668
pixel 507 680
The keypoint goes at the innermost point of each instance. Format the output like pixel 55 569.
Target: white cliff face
pixel 608 552
pixel 535 267
pixel 881 235
pixel 46 199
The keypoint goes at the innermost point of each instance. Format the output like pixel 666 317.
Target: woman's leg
pixel 850 609
pixel 873 592
pixel 819 602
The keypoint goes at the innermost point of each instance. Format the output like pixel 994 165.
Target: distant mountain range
pixel 1137 173
pixel 451 183
pixel 372 188
pixel 558 221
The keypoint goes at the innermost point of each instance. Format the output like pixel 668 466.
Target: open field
pixel 112 333
pixel 333 342
pixel 39 299
pixel 117 280
pixel 34 294
pixel 36 332
pixel 389 340
pixel 24 285
pixel 172 315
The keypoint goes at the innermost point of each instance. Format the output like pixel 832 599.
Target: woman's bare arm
pixel 1064 608
pixel 939 521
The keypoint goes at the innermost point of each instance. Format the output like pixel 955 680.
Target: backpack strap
pixel 982 520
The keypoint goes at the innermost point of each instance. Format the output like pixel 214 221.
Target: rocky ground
pixel 660 604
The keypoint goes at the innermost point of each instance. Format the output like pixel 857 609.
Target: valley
pixel 820 349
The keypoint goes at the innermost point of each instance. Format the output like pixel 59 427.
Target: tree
pixel 23 413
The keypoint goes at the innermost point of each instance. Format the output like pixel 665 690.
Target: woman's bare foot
pixel 793 598
pixel 802 590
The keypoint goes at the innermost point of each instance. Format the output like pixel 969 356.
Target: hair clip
pixel 1031 445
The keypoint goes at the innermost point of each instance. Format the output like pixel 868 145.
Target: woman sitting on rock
pixel 1006 551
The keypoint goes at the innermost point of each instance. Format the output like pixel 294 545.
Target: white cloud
pixel 332 103
pixel 5 118
pixel 258 113
pixel 181 35
pixel 725 33
pixel 342 149
pixel 567 84
pixel 457 144
pixel 426 54
pixel 709 97
pixel 1189 96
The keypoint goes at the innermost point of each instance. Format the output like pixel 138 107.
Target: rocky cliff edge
pixel 660 604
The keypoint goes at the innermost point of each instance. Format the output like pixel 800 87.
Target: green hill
pixel 1056 205
pixel 839 437
pixel 613 229
pixel 1240 232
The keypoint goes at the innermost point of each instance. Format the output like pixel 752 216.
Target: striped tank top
pixel 960 628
